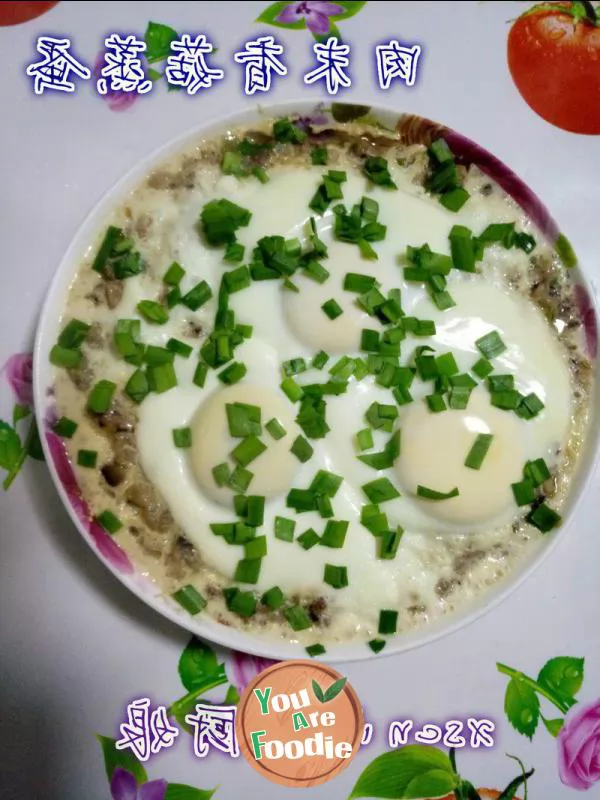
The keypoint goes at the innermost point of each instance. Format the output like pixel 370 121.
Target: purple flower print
pixel 105 544
pixel 117 101
pixel 316 15
pixel 588 316
pixel 246 667
pixel 123 786
pixel 579 747
pixel 18 371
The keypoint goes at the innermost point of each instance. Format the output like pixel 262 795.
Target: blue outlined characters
pixel 214 726
pixel 396 62
pixel 187 67
pixel 261 59
pixel 146 732
pixel 123 71
pixel 333 62
pixel 56 66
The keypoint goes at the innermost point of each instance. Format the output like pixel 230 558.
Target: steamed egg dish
pixel 321 384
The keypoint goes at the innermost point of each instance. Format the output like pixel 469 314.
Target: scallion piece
pixel 284 529
pixel 325 483
pixel 240 505
pixel 334 534
pixel 530 406
pixel 161 378
pixel 500 383
pixel 377 645
pixel 373 519
pixel 320 360
pixel 335 576
pixel 308 539
pixel 454 199
pixel 234 253
pixel 248 450
pixel 65 427
pixel 101 396
pixel 87 458
pixel 385 458
pixel 380 490
pixel 190 599
pixel 242 533
pixel 297 618
pixel 524 492
pixel 482 368
pixel 154 355
pixel 247 570
pixel 478 451
pixel 432 494
pixel 232 373
pixel 389 543
pixel 275 429
pixel 109 522
pixel 319 156
pixel 537 471
pixel 273 598
pixel 491 345
pixel 261 174
pixel 179 348
pixel 243 420
pixel 220 219
pixel 292 389
pixel 294 366
pixel 462 248
pixel 182 437
pixel 355 282
pixel 508 400
pixel 174 274
pixel 436 402
pixel 243 604
pixel 301 500
pixel 302 449
pixel 544 518
pixel 173 297
pixel 332 308
pixel 255 512
pixel 200 374
pixel 240 479
pixel 236 279
pixel 364 439
pixel 256 548
pixel 152 311
pixel 377 170
pixel 324 506
pixel 137 386
pixel 221 474
pixel 73 334
pixel 64 357
pixel 388 622
pixel 315 650
pixel 286 131
pixel 198 296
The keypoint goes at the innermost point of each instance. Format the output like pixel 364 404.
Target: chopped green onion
pixel 137 386
pixel 240 479
pixel 446 364
pixel 491 345
pixel 355 282
pixel 320 360
pixel 221 474
pixel 385 458
pixel 174 274
pixel 326 483
pixel 334 534
pixel 294 366
pixel 200 374
pixel 286 131
pixel 240 503
pixel 233 373
pixel 432 494
pixel 524 492
pixel 220 219
pixel 243 604
pixel 324 506
pixel 161 378
pixel 255 548
pixel 443 300
pixel 462 248
pixel 364 439
pixel 500 383
pixel 426 367
pixel 297 618
pixel 315 650
pixel 302 449
pixel 454 199
pixel 152 311
pixel 381 416
pixel 87 458
pixel 332 308
pixel 508 400
pixel 234 253
pixel 155 355
pixel 63 357
pixel 380 490
pixel 389 543
pixel 284 529
pixel 255 512
pixel 388 621
pixel 544 518
pixel 316 271
pixel 524 242
pixel 248 450
pixel 436 402
pixel 537 471
pixel 73 334
pixel 247 570
pixel 319 156
pixel 301 500
pixel 308 539
pixel 243 420
pixel 275 429
pixel 173 297
pixel 109 522
pixel 65 427
pixel 377 645
pixel 261 174
pixel 242 533
pixel 101 396
pixel 337 577
pixel 292 389
pixel 182 437
pixel 179 348
pixel 478 451
pixel 377 170
pixel 198 296
pixel 190 599
pixel 273 598
pixel 111 237
pixel 482 368
pixel 373 519
pixel 530 406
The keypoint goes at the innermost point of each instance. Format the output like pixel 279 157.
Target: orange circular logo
pixel 299 723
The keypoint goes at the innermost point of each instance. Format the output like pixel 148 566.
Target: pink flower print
pixel 316 15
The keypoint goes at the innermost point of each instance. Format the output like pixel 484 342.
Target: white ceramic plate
pixel 415 129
